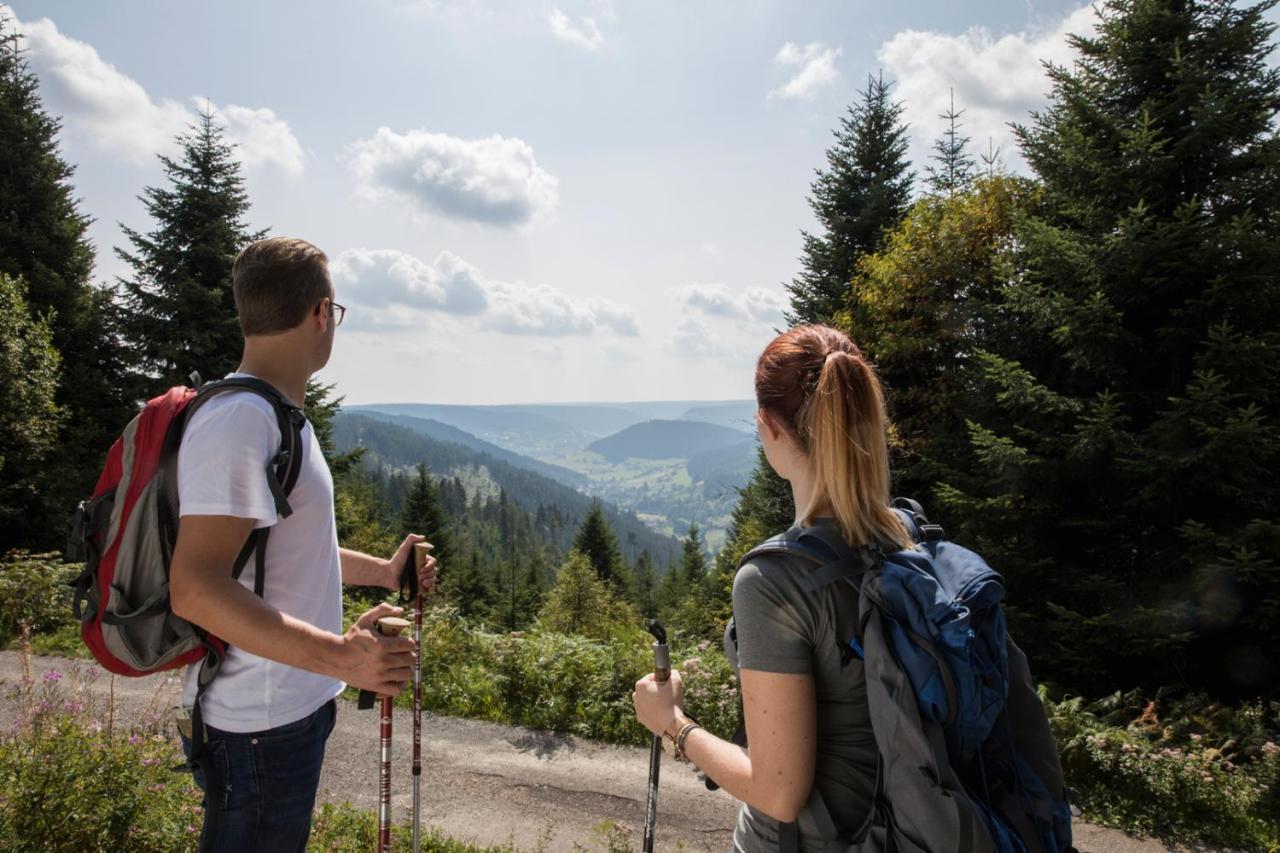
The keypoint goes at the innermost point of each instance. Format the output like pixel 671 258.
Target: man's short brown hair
pixel 276 282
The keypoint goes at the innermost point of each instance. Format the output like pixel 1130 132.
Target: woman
pixel 812 753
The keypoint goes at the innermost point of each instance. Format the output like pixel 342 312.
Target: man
pixel 271 707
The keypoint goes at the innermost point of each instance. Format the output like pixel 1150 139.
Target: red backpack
pixel 125 535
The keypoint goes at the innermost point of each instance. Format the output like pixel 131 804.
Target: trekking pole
pixel 388 626
pixel 661 674
pixel 420 552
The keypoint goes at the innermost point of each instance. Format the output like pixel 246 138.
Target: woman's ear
pixel 768 425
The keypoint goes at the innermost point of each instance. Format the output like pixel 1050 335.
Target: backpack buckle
pixel 931 532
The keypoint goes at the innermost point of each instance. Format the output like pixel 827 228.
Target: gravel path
pixel 493 783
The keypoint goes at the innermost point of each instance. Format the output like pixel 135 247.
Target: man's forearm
pixel 230 611
pixel 360 569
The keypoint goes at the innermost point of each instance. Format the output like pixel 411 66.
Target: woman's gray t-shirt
pixel 784 627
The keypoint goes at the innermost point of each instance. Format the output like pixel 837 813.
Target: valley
pixel 672 464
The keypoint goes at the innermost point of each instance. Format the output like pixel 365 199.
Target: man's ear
pixel 322 316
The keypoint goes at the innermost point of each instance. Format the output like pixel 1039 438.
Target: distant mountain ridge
pixel 665 440
pixel 390 444
pixel 444 432
pixel 739 415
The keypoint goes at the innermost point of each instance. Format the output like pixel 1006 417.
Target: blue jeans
pixel 262 785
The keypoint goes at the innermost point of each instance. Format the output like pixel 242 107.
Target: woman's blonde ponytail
pixel 840 421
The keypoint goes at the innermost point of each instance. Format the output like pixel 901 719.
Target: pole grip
pixel 661 662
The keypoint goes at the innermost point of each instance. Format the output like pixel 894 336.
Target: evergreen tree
pixel 599 544
pixel 30 418
pixel 423 514
pixel 1126 450
pixel 582 603
pixel 693 563
pixel 954 172
pixel 643 592
pixel 864 189
pixel 464 583
pixel 43 243
pixel 182 315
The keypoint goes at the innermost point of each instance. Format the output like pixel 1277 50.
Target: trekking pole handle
pixel 661 652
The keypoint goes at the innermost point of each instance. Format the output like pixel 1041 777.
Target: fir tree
pixel 464 583
pixel 643 592
pixel 182 315
pixel 582 603
pixel 864 189
pixel 43 244
pixel 423 514
pixel 1126 451
pixel 954 172
pixel 599 544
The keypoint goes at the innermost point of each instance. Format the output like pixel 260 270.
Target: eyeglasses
pixel 337 311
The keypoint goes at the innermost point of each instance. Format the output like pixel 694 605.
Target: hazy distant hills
pixel 444 432
pixel 554 430
pixel 739 415
pixel 665 440
pixel 672 463
pixel 401 447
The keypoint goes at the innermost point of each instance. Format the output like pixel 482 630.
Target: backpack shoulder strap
pixel 823 546
pixel 285 467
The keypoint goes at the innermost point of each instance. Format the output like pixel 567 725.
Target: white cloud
pixel 692 339
pixel 816 68
pixel 119 116
pixel 495 180
pixel 764 304
pixel 584 33
pixel 264 139
pixel 379 278
pixel 719 301
pixel 996 79
pixel 391 289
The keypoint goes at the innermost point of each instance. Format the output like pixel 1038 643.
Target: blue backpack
pixel 966 757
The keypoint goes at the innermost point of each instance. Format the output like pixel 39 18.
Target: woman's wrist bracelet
pixel 683 735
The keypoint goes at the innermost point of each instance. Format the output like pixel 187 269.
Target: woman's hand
pixel 658 703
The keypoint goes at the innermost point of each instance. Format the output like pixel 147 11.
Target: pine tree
pixel 954 172
pixel 182 315
pixel 43 243
pixel 693 563
pixel 582 603
pixel 864 189
pixel 423 514
pixel 464 583
pixel 30 418
pixel 599 544
pixel 643 592
pixel 1126 450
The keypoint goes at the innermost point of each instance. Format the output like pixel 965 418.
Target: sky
pixel 570 201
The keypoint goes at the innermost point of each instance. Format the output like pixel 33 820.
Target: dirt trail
pixel 493 783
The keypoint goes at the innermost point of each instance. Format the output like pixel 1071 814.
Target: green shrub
pixel 71 780
pixel 561 682
pixel 1207 773
pixel 34 590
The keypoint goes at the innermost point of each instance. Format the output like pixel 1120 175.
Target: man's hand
pixel 393 567
pixel 370 661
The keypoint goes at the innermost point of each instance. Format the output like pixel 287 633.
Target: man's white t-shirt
pixel 222 467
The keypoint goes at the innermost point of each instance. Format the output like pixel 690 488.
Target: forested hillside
pixel 558 510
